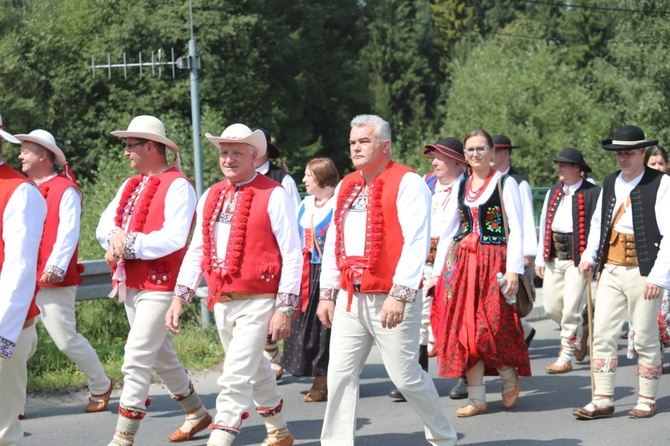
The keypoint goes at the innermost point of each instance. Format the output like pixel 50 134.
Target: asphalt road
pixel 542 415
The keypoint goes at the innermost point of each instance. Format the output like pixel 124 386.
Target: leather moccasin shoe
pixel 97 403
pixel 597 412
pixel 509 398
pixel 286 441
pixel 180 435
pixel 471 409
pixel 637 413
pixel 397 394
pixel 555 369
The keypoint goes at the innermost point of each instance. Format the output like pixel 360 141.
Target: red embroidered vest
pixel 11 179
pixel 252 262
pixel 148 216
pixel 52 191
pixel 384 240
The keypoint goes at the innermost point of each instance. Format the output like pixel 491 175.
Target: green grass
pixel 103 322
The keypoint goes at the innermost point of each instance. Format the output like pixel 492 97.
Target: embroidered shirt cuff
pixel 56 271
pixel 184 293
pixel 403 293
pixel 130 246
pixel 288 300
pixel 328 294
pixel 111 234
pixel 6 348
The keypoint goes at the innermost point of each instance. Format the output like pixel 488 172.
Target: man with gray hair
pixel 370 269
pixel 246 245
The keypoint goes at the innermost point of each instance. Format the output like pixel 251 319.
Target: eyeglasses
pixel 481 149
pixel 130 146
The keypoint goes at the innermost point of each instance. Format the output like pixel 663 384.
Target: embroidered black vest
pixel 517 176
pixel 645 228
pixel 491 226
pixel 583 206
pixel 276 173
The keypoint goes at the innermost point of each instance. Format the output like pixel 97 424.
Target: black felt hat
pixel 574 156
pixel 451 147
pixel 274 152
pixel 628 137
pixel 502 142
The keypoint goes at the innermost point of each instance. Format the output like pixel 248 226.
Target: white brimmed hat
pixel 147 127
pixel 46 140
pixel 7 136
pixel 241 133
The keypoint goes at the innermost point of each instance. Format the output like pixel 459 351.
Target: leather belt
pixel 228 297
pixel 622 249
pixel 561 245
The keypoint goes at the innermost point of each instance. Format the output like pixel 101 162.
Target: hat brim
pixel 274 152
pixel 60 156
pixel 561 159
pixel 505 146
pixel 9 137
pixel 609 145
pixel 429 150
pixel 148 136
pixel 255 140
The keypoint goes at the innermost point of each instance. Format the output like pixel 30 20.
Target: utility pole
pixel 192 63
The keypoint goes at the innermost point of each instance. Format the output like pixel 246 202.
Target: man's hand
pixel 587 269
pixel 392 312
pixel 50 278
pixel 512 284
pixel 110 257
pixel 117 245
pixel 325 312
pixel 280 326
pixel 539 271
pixel 651 291
pixel 173 314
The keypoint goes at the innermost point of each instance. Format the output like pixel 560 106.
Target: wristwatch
pixel 287 310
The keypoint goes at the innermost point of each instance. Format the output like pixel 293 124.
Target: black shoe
pixel 530 337
pixel 395 393
pixel 460 390
pixel 423 357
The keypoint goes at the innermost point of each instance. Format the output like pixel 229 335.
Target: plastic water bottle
pixel 502 282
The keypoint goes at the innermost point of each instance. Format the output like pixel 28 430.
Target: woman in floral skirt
pixel 483 334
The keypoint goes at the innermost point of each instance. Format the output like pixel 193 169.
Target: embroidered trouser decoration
pixel 127 426
pixel 604 371
pixel 649 378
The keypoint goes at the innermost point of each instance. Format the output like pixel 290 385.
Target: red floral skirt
pixel 478 323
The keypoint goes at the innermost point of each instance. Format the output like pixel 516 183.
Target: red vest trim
pixel 384 239
pixel 251 264
pixel 148 216
pixel 52 191
pixel 11 180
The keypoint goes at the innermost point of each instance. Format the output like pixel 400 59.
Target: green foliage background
pixel 547 74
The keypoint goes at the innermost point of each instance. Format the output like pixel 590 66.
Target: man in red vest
pixel 144 230
pixel 373 265
pixel 246 244
pixel 22 213
pixel 57 272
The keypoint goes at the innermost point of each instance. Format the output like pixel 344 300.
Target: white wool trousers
pixel 353 335
pixel 425 331
pixel 247 380
pixel 57 306
pixel 13 381
pixel 149 348
pixel 620 297
pixel 564 293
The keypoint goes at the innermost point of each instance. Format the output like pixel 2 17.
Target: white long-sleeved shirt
pixel 512 202
pixel 413 204
pixel 439 217
pixel 287 182
pixel 562 219
pixel 67 234
pixel 528 218
pixel 283 221
pixel 180 202
pixel 660 272
pixel 22 226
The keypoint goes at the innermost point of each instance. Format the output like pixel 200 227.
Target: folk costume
pixel 629 247
pixel 22 212
pixel 564 230
pixel 246 245
pixel 157 214
pixel 480 324
pixel 59 256
pixel 370 253
pixel 306 348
